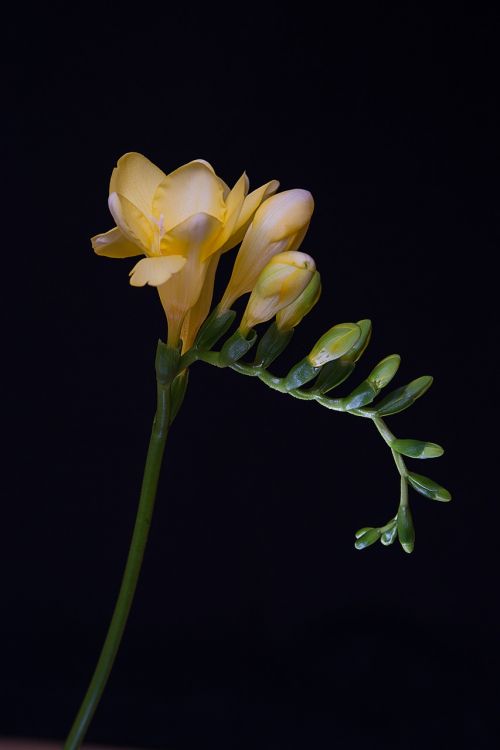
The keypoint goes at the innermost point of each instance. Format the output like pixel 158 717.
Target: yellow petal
pixel 136 179
pixel 155 271
pixel 198 232
pixel 114 244
pixel 234 203
pixel 131 222
pixel 279 225
pixel 250 206
pixel 225 188
pixel 191 189
pixel 198 313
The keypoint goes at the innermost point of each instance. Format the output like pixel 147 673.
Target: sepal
pixel 417 448
pixel 236 347
pixel 272 344
pixel 166 363
pixel 300 374
pixel 404 397
pixel 214 327
pixel 428 487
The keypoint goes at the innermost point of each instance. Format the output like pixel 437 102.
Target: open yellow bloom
pixel 178 221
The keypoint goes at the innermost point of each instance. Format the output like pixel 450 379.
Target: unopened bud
pixel 334 343
pixel 291 315
pixel 383 373
pixel 279 284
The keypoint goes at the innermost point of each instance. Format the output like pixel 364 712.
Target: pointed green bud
pixel 362 531
pixel 272 343
pixel 389 535
pixel 428 487
pixel 365 326
pixel 300 374
pixel 291 315
pixel 417 448
pixel 406 530
pixel 334 343
pixel 236 347
pixel 279 284
pixel 214 328
pixel 404 397
pixel 166 363
pixel 383 373
pixel 368 538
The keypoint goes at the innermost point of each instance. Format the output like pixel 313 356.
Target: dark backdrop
pixel 256 624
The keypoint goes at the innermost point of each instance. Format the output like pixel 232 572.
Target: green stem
pixel 132 569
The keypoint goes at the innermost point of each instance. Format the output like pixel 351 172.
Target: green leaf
pixel 417 448
pixel 404 397
pixel 300 374
pixel 362 395
pixel 370 537
pixel 214 327
pixel 428 487
pixel 236 347
pixel 272 344
pixel 405 528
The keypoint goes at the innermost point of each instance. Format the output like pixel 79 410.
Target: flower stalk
pixel 159 432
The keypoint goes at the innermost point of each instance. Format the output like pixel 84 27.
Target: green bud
pixel 166 363
pixel 272 343
pixel 383 373
pixel 300 373
pixel 365 326
pixel 404 397
pixel 368 538
pixel 362 395
pixel 291 315
pixel 389 535
pixel 214 327
pixel 334 343
pixel 406 530
pixel 362 531
pixel 428 487
pixel 417 448
pixel 236 347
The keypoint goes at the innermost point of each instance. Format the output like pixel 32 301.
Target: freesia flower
pixel 178 221
pixel 280 225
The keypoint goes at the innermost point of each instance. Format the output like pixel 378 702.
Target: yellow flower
pixel 178 221
pixel 282 280
pixel 279 225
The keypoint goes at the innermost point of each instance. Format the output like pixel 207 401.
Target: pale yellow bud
pixel 279 284
pixel 291 315
pixel 279 225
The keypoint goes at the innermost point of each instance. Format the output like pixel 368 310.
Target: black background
pixel 256 623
